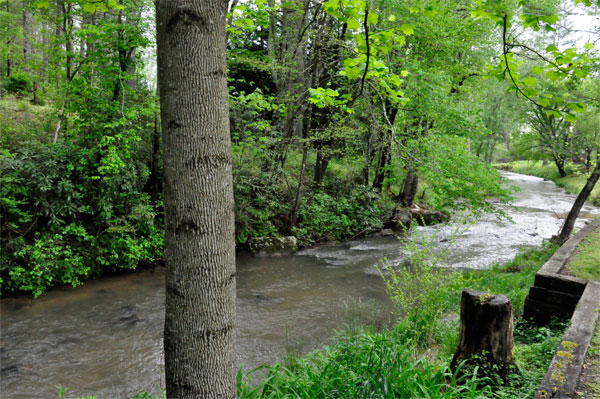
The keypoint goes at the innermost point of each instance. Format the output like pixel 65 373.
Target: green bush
pixel 61 221
pixel 339 216
pixel 18 83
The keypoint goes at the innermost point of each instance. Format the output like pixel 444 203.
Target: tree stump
pixel 486 332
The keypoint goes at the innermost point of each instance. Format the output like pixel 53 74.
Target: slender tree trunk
pixel 385 156
pixel 27 44
pixel 297 202
pixel 567 227
pixel 8 65
pixel 409 188
pixel 294 213
pixel 368 156
pixel 560 164
pixel 321 164
pixel 28 48
pixel 479 147
pixel 490 151
pixel 198 199
pixel 45 57
pixel 67 29
pixel 61 117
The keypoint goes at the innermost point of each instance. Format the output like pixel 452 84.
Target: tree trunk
pixel 68 32
pixel 27 44
pixel 8 63
pixel 567 227
pixel 486 330
pixel 385 154
pixel 560 164
pixel 321 164
pixel 294 212
pixel 198 200
pixel 409 188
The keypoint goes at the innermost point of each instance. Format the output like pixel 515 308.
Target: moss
pixel 569 345
pixel 564 354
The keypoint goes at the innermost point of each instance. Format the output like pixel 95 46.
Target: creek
pixel 105 338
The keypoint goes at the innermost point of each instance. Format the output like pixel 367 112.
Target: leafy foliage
pixel 59 224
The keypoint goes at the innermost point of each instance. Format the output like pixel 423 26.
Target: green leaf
pixel 544 102
pixel 530 81
pixel 571 118
pixel 479 12
pixel 577 107
pixel 538 70
pixel 588 46
pixel 553 75
pixel 89 8
pixel 353 24
pixel 42 4
pixel 392 18
pixel 430 12
pixel 407 29
pixel 551 47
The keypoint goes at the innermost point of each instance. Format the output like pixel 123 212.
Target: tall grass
pixel 364 365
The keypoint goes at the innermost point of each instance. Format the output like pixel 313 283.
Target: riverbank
pixel 572 183
pixel 364 362
pixel 283 302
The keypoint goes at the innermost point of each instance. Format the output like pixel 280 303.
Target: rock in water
pixel 261 246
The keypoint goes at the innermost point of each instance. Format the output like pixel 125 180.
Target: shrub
pixel 18 83
pixel 61 222
pixel 337 217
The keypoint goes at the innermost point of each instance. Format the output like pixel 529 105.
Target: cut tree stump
pixel 486 332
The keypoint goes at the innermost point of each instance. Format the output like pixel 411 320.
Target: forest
pixel 339 117
pixel 343 116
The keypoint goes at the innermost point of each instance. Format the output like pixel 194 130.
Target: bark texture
pixel 198 199
pixel 486 329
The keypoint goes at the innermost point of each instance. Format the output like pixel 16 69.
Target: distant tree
pixel 198 199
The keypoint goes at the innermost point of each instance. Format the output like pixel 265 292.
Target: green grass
pixel 572 183
pixel 513 278
pixel 364 363
pixel 586 261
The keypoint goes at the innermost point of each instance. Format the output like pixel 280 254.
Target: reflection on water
pixel 104 338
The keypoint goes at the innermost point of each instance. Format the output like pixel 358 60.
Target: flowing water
pixel 104 338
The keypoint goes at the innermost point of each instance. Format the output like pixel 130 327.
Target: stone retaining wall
pixel 554 294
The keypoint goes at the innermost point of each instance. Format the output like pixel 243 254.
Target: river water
pixel 104 338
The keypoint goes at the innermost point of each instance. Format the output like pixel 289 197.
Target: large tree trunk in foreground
pixel 486 329
pixel 567 227
pixel 198 199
